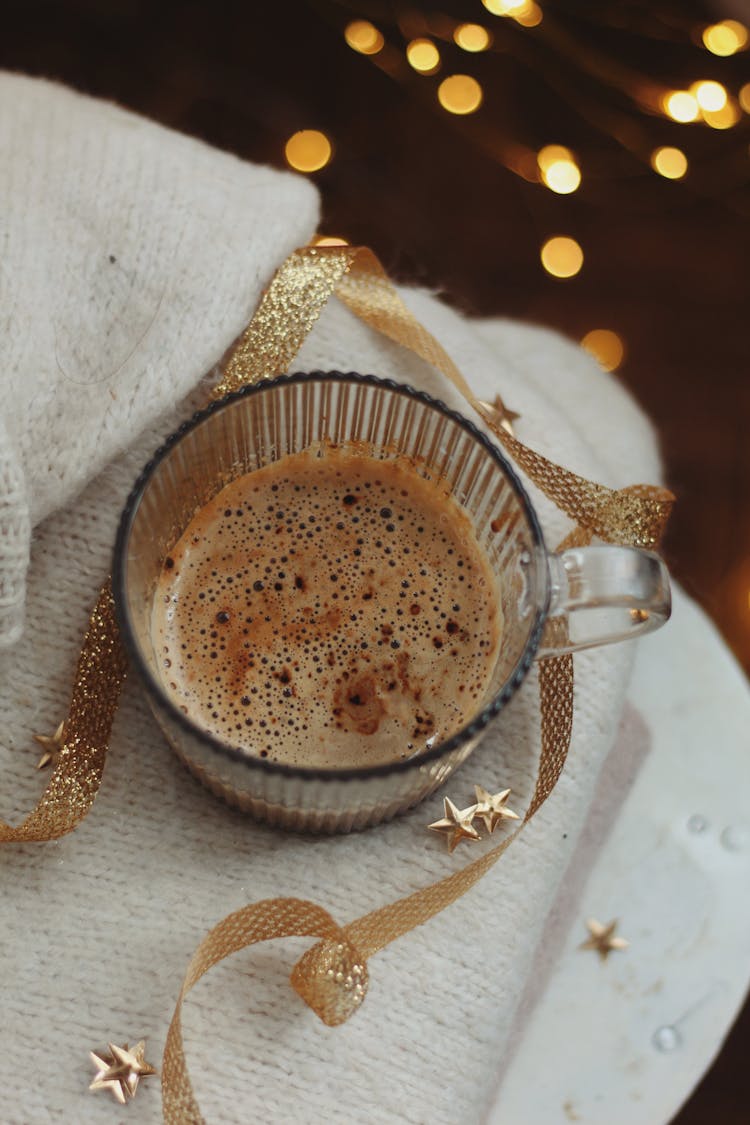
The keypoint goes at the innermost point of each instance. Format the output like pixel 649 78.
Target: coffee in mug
pixel 364 693
pixel 329 610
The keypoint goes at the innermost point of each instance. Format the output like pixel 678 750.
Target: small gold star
pixel 121 1070
pixel 53 744
pixel 491 807
pixel 497 412
pixel 456 824
pixel 134 1059
pixel 602 938
pixel 110 1075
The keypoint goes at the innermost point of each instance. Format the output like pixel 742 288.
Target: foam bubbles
pixel 328 610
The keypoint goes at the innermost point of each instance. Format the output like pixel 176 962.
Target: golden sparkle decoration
pixel 121 1070
pixel 499 414
pixel 602 938
pixel 491 807
pixel 456 824
pixel 52 744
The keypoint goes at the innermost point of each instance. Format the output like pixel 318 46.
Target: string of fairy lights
pixel 430 55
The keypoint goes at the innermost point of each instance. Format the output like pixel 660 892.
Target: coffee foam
pixel 329 610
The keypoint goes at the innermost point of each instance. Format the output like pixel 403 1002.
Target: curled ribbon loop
pixel 333 980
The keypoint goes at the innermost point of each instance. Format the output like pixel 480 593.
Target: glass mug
pixel 590 596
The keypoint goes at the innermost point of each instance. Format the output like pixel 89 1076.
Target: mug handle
pixel 599 595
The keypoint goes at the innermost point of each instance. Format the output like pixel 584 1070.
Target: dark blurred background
pixel 454 186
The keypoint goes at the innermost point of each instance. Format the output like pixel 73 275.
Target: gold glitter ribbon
pixel 77 775
pixel 301 288
pixel 332 979
pixel 332 976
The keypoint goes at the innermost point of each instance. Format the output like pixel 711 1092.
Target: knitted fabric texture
pixel 98 927
pixel 129 254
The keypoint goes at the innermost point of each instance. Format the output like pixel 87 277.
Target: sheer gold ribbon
pixel 332 976
pixel 305 282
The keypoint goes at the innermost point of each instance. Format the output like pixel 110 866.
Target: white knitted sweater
pixel 131 258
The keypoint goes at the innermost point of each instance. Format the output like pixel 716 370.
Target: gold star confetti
pixel 497 412
pixel 491 807
pixel 121 1070
pixel 456 824
pixel 110 1075
pixel 134 1059
pixel 52 744
pixel 602 938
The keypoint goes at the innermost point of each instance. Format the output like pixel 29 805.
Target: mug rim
pixel 467 732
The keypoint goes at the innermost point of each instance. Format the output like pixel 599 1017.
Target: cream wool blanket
pixel 132 257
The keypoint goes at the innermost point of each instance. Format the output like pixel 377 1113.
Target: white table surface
pixel 626 1040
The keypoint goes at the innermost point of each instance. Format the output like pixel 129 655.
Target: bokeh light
pixel 423 56
pixel 606 346
pixel 329 240
pixel 530 15
pixel 460 93
pixel 681 106
pixel 525 12
pixel 308 150
pixel 723 118
pixel 472 37
pixel 503 7
pixel 669 162
pixel 562 256
pixel 709 95
pixel 558 168
pixel 725 38
pixel 551 153
pixel 364 37
pixel 744 97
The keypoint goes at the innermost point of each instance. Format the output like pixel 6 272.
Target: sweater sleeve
pixel 132 256
pixel 15 535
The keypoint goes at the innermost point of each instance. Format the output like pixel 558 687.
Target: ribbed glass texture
pixel 256 427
